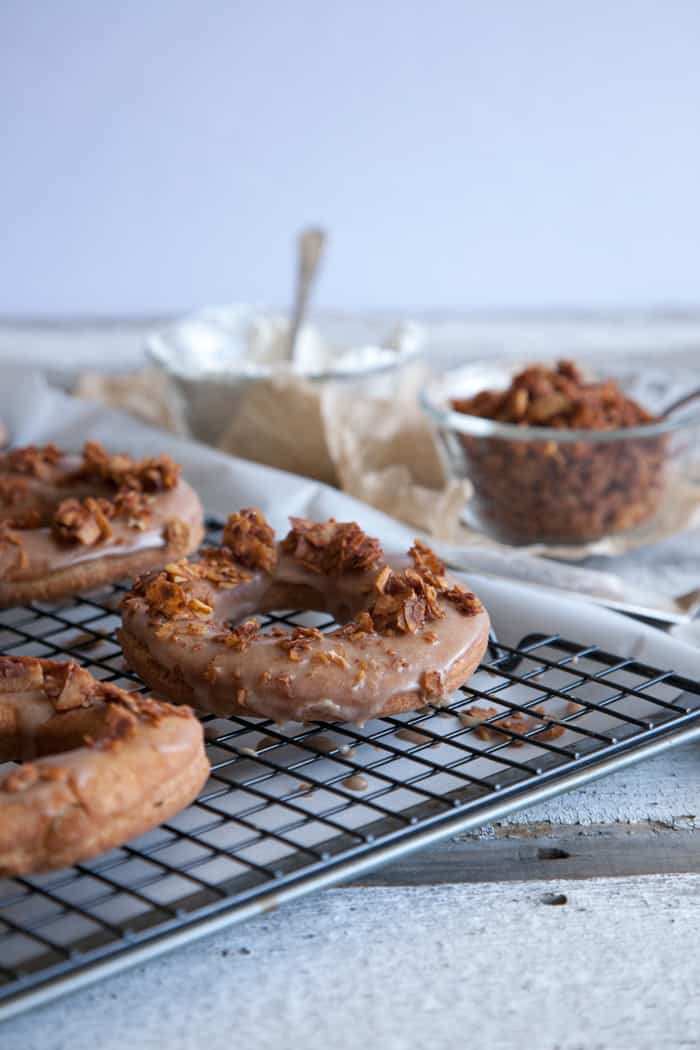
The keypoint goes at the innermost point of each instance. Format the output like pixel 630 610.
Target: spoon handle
pixel 309 248
pixel 680 402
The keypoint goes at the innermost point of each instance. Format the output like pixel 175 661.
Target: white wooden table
pixel 571 925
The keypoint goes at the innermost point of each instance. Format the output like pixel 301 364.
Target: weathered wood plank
pixel 601 851
pixel 441 967
pixel 664 790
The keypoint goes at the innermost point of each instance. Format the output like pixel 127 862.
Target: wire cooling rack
pixel 291 808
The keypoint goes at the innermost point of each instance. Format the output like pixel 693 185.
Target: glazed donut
pixel 118 764
pixel 409 635
pixel 70 523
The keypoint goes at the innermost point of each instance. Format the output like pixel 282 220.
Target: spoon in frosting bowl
pixel 310 245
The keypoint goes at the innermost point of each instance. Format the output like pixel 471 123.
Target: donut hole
pixel 300 605
pixel 297 618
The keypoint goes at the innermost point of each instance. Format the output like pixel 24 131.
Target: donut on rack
pixel 100 765
pixel 73 522
pixel 408 634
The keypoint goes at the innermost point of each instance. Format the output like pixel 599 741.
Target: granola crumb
pixel 331 548
pixel 250 539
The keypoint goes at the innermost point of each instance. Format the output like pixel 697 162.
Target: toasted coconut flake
pixel 284 681
pixel 163 596
pixel 177 534
pixel 240 637
pixel 331 548
pixel 132 506
pixel 405 603
pixel 466 601
pixel 78 689
pixel 216 566
pixel 360 627
pixel 85 522
pixel 425 559
pixel 432 684
pixel 382 580
pixel 472 717
pixel 550 730
pixel 33 460
pixel 299 641
pixel 155 474
pixel 250 539
pixel 516 722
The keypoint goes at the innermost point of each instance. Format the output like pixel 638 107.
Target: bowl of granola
pixel 559 454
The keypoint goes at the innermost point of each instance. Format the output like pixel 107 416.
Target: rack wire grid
pixel 291 808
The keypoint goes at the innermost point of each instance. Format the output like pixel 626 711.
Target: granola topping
pixel 466 601
pixel 427 563
pixel 558 397
pixel 241 636
pixel 535 722
pixel 405 626
pixel 250 539
pixel 155 474
pixel 528 490
pixel 77 689
pixel 299 642
pixel 403 604
pixel 163 596
pixel 57 511
pixel 432 684
pixel 11 541
pixel 331 548
pixel 34 460
pixel 83 521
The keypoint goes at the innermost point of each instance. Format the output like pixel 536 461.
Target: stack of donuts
pixel 100 765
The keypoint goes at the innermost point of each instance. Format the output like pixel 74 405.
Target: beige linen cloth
pixel 380 449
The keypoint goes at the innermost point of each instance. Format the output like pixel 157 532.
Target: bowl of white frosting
pixel 218 355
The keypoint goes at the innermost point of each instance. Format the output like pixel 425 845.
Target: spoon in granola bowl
pixel 680 402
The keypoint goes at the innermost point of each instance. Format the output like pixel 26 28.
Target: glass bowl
pixel 535 484
pixel 215 356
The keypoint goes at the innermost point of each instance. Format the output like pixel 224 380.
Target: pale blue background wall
pixel 155 154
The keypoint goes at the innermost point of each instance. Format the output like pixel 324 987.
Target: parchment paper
pixel 380 449
pixel 36 413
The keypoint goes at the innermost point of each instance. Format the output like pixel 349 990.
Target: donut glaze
pixel 68 523
pixel 409 634
pixel 100 765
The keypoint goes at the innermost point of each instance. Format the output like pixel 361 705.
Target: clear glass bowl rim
pixel 478 426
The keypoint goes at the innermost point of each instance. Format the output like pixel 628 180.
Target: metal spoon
pixel 679 403
pixel 310 244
